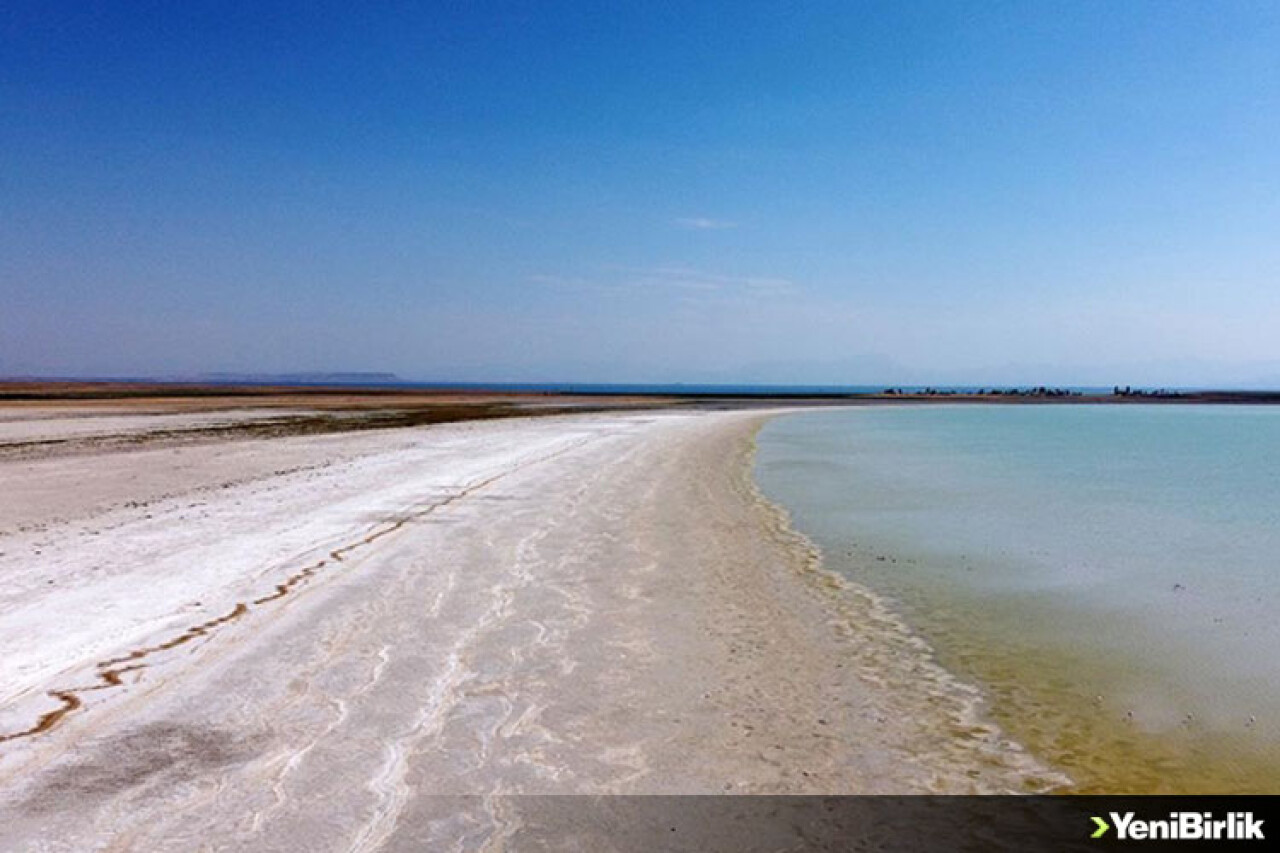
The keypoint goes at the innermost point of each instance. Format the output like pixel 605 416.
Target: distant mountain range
pixel 358 378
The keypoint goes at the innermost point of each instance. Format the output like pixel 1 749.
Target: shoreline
pixel 407 397
pixel 599 603
pixel 898 655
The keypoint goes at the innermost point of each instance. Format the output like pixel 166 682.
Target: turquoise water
pixel 1110 574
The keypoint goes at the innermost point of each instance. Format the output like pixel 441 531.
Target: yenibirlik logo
pixel 1183 826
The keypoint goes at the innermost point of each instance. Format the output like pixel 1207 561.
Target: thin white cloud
pixel 686 278
pixel 702 223
pixel 561 281
pixel 677 280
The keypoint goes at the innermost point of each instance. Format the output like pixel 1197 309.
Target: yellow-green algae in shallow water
pixel 1101 720
pixel 1104 574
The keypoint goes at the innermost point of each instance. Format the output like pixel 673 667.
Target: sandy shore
pixel 304 643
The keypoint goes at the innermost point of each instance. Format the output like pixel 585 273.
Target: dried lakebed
pixel 311 643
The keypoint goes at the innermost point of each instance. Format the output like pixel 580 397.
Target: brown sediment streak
pixel 186 636
pixel 110 671
pixel 69 699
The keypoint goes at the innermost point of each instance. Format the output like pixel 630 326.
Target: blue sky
pixel 1082 192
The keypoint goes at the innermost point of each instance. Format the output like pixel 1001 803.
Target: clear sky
pixel 1066 192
